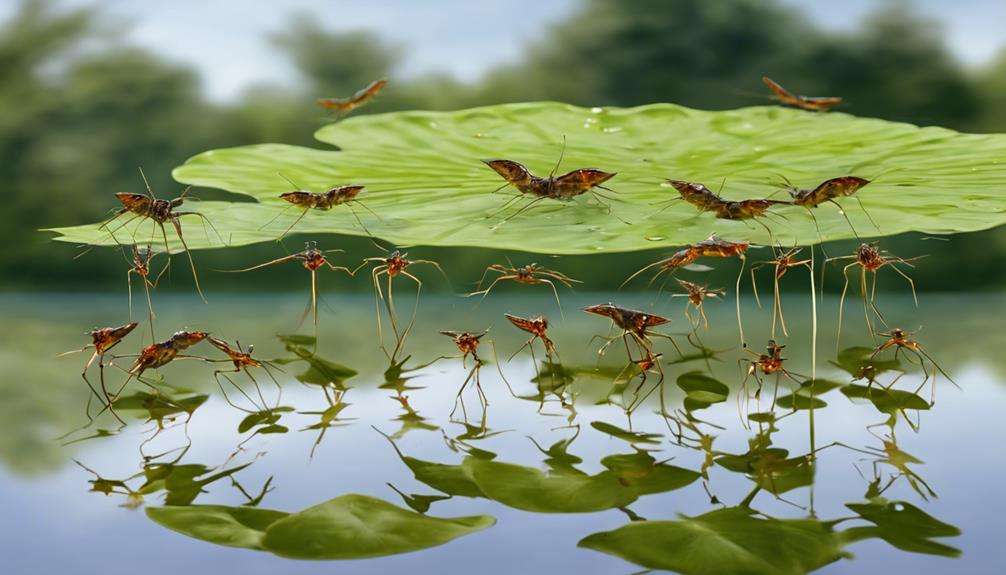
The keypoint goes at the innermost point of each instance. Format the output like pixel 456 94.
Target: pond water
pixel 558 479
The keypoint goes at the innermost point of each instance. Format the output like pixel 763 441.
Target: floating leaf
pixel 852 360
pixel 701 390
pixel 641 473
pixel 797 401
pixel 904 526
pixel 424 177
pixel 886 400
pixel 731 540
pixel 531 489
pixel 266 416
pixel 449 479
pixel 771 468
pixel 230 526
pixel 357 526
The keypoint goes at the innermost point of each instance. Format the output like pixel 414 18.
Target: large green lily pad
pixel 423 175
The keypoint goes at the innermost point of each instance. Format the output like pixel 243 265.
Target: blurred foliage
pixel 80 109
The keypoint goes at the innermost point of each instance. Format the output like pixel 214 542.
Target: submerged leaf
pixel 531 489
pixel 230 526
pixel 725 541
pixel 357 526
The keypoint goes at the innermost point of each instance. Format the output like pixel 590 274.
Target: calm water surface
pixel 543 504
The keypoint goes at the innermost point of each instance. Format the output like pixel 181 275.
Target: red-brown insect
pixel 529 274
pixel 394 264
pixel 829 191
pixel 870 260
pixel 782 263
pixel 812 103
pixel 706 200
pixel 712 246
pixel 158 355
pixel 537 327
pixel 468 345
pixel 312 259
pixel 648 364
pixel 562 188
pixel 900 339
pixel 633 323
pixel 242 360
pixel 321 201
pixel 102 340
pixel 160 212
pixel 343 106
pixel 768 363
pixel 696 295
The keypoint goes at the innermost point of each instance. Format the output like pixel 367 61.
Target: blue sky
pixel 227 39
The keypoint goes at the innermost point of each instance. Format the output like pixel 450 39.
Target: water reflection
pixel 605 438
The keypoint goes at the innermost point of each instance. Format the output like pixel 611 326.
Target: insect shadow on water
pixel 870 259
pixel 713 246
pixel 307 200
pixel 530 274
pixel 688 433
pixel 562 188
pixel 329 418
pixel 892 455
pixel 392 265
pixel 312 259
pixel 343 106
pixel 148 207
pixel 134 499
pixel 102 340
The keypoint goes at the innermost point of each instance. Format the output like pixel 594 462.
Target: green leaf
pixel 854 359
pixel 701 390
pixel 798 401
pixel 904 526
pixel 886 400
pixel 641 473
pixel 530 489
pixel 357 526
pixel 450 479
pixel 731 540
pixel 266 416
pixel 230 526
pixel 423 175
